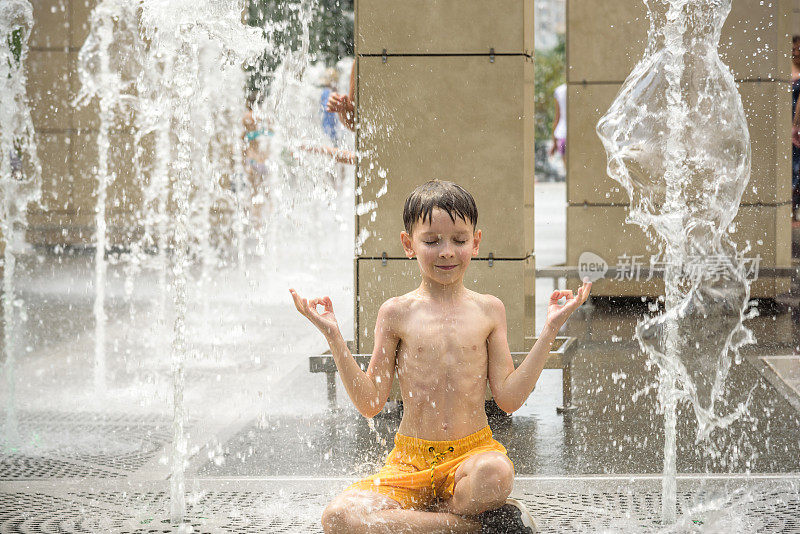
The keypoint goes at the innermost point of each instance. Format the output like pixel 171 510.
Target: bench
pixel 560 358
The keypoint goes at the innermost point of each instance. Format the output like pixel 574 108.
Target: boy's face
pixel 442 247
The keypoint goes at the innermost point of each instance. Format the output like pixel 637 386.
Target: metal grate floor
pixel 100 446
pixel 583 504
pixel 87 473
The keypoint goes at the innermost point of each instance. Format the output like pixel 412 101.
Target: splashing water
pixel 677 140
pixel 184 32
pixel 171 74
pixel 108 63
pixel 20 176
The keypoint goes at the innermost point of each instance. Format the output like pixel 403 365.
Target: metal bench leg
pixel 566 388
pixel 331 380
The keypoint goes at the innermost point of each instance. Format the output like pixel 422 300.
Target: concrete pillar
pixel 603 45
pixel 445 90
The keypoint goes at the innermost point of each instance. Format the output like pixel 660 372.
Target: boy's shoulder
pixel 399 304
pixel 491 305
pixel 487 299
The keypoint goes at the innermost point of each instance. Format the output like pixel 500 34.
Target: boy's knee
pixel 495 470
pixel 335 518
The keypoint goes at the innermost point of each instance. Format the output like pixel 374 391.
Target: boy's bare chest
pixel 438 343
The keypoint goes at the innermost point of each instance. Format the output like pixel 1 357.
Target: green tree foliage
pixel 549 73
pixel 15 45
pixel 330 31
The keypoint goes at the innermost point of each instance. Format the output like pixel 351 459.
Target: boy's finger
pixel 588 287
pixel 296 299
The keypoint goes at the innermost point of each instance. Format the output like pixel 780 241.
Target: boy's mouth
pixel 446 267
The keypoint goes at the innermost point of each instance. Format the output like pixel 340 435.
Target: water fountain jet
pixel 677 140
pixel 177 30
pixel 107 65
pixel 20 178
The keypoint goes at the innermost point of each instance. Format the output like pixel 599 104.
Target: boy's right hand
pixel 325 321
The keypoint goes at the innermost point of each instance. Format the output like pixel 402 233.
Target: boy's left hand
pixel 557 314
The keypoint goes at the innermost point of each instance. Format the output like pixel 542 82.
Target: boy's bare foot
pixel 511 518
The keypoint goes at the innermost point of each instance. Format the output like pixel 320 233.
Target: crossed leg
pixel 482 482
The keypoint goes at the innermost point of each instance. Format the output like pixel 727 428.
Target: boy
pixel 446 473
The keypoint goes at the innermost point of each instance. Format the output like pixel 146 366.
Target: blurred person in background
pixel 560 123
pixel 344 105
pixel 256 153
pixel 329 126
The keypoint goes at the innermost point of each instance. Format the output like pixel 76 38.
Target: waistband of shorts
pixel 407 442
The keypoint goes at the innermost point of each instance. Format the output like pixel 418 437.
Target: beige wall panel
pixel 754 42
pixel 69 191
pixel 66 228
pixel 766 105
pixel 51 24
pixel 65 216
pixel 509 280
pixel 430 117
pixel 124 194
pixel 786 27
pixel 603 231
pixel 604 44
pixel 84 161
pixel 58 191
pixel 783 235
pixel 86 116
pixel 80 12
pixel 444 26
pixel 587 180
pixel 49 89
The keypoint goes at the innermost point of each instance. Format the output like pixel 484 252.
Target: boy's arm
pixel 511 387
pixel 369 390
pixel 384 353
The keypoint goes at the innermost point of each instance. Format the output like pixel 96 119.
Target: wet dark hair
pixel 447 196
pixel 795 39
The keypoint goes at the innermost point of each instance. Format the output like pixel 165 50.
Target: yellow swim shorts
pixel 419 472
